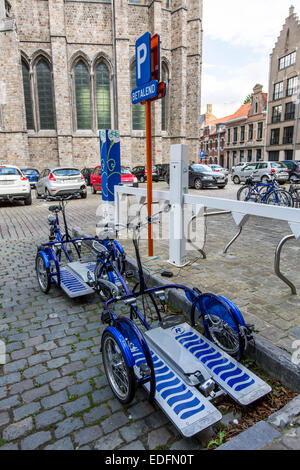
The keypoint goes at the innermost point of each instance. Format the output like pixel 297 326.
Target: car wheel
pixel 198 184
pixel 222 186
pixel 236 179
pixel 142 179
pixel 84 195
pixel 28 200
pixel 93 189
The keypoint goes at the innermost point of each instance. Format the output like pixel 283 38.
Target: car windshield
pixel 278 165
pixel 30 172
pixel 201 168
pixel 124 171
pixel 9 171
pixel 66 172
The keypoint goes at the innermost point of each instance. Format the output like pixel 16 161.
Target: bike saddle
pixel 54 209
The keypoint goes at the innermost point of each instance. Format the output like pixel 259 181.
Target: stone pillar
pixel 13 130
pixel 123 79
pixel 179 72
pixel 193 77
pixel 63 109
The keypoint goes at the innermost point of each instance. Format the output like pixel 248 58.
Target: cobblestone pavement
pixel 53 391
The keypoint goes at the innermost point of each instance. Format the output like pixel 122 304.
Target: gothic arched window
pixel 45 95
pixel 138 110
pixel 27 95
pixel 103 101
pixel 82 95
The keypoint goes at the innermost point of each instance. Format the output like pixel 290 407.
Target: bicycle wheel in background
pixel 247 194
pixel 280 198
pixel 222 321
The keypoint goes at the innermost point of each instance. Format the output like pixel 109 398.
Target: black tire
pixel 104 292
pixel 245 193
pixel 84 195
pixel 236 180
pixel 28 200
pixel 43 274
pixel 284 198
pixel 198 184
pixel 142 179
pixel 120 377
pixel 265 179
pixel 222 186
pixel 221 333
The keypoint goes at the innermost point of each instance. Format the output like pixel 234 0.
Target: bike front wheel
pixel 247 194
pixel 121 378
pixel 222 326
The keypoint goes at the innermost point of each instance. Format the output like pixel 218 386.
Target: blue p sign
pixel 143 59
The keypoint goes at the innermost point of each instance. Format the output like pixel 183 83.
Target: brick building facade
pixel 283 135
pixel 67 68
pixel 239 137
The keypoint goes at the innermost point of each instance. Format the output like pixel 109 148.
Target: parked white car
pixel 261 171
pixel 61 180
pixel 219 168
pixel 14 185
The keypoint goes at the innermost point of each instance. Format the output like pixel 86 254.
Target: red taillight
pixel 23 178
pixel 52 177
pixel 273 171
pixel 145 172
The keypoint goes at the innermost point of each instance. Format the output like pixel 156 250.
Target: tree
pixel 248 98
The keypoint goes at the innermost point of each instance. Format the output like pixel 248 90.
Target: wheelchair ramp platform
pixel 184 405
pixel 72 284
pixel 183 346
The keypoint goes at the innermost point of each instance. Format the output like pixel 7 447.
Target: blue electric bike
pixel 181 367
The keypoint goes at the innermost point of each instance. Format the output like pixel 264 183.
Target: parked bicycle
pixel 264 193
pixel 294 191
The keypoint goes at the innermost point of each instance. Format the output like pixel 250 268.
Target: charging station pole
pixel 149 174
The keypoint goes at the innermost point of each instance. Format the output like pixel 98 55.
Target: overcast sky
pixel 238 37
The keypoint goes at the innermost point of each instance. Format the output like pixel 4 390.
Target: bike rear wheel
pixel 247 194
pixel 280 198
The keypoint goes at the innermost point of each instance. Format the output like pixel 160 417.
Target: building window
pixel 82 96
pixel 276 113
pixel 27 95
pixel 164 101
pixel 287 60
pixel 228 136
pixel 258 155
pixel 256 107
pixel 278 91
pixel 292 86
pixel 222 143
pixel 138 110
pixel 103 104
pixel 243 134
pixel 275 134
pixel 241 156
pixel 288 133
pixel 250 132
pixel 288 154
pixel 39 108
pixel 274 156
pixel 234 158
pixel 235 135
pixel 138 2
pixel 249 157
pixel 289 111
pixel 45 97
pixel 259 131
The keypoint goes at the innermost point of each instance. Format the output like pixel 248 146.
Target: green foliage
pixel 248 98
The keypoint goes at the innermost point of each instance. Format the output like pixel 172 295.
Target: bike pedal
pixel 129 274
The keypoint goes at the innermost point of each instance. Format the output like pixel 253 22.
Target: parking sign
pixel 143 59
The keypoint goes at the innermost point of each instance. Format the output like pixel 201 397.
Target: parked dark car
pixel 32 174
pixel 87 175
pixel 141 173
pixel 163 171
pixel 202 176
pixel 293 167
